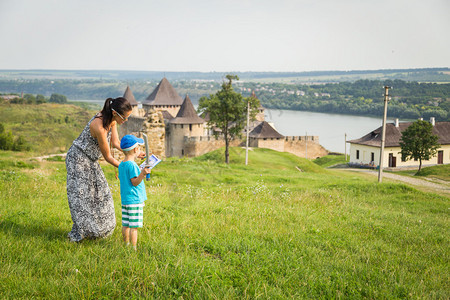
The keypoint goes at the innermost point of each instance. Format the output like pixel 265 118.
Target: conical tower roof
pixel 187 114
pixel 164 94
pixel 130 97
pixel 265 130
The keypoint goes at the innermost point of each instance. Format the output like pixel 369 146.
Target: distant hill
pixel 420 75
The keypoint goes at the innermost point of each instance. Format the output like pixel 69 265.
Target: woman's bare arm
pixel 115 136
pixel 100 133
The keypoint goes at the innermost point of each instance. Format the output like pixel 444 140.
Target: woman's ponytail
pixel 120 105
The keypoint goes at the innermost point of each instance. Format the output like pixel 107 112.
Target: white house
pixel 366 150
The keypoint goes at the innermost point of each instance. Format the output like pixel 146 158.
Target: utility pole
pixel 383 134
pixel 345 145
pixel 306 144
pixel 247 131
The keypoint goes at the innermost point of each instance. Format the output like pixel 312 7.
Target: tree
pixel 29 98
pixel 418 142
pixel 40 99
pixel 57 98
pixel 227 111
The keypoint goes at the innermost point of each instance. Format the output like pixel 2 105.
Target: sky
pixel 226 35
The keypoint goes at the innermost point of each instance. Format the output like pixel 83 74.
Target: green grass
pixel 47 128
pixel 441 172
pixel 213 230
pixel 330 160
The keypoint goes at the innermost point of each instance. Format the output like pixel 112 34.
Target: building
pixel 366 150
pixel 265 136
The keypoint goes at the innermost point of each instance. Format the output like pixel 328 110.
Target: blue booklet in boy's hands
pixel 152 160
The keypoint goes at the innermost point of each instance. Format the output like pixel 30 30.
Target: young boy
pixel 132 189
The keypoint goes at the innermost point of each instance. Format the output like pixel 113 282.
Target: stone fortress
pixel 174 128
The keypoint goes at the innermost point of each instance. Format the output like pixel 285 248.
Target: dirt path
pixel 442 186
pixel 41 158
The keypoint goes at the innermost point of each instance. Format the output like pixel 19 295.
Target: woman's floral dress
pixel 90 200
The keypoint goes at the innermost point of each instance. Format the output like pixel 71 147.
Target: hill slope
pixel 47 128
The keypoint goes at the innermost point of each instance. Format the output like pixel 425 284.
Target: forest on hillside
pixel 409 99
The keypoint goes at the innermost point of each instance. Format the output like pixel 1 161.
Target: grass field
pixel 219 231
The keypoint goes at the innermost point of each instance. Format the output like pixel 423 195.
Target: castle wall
pixel 199 145
pixel 276 144
pixel 135 111
pixel 156 132
pixel 298 145
pixel 302 146
pixel 132 126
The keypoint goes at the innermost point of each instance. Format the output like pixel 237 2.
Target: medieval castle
pixel 174 128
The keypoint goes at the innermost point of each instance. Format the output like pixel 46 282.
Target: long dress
pixel 90 200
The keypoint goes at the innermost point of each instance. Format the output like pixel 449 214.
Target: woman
pixel 90 200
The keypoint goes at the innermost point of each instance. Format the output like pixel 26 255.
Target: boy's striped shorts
pixel 133 215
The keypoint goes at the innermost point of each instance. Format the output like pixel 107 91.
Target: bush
pixel 9 142
pixel 17 101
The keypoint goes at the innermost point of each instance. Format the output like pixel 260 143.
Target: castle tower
pixel 163 97
pixel 260 115
pixel 130 97
pixel 186 124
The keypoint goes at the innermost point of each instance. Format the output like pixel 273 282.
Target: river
pixel 331 128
